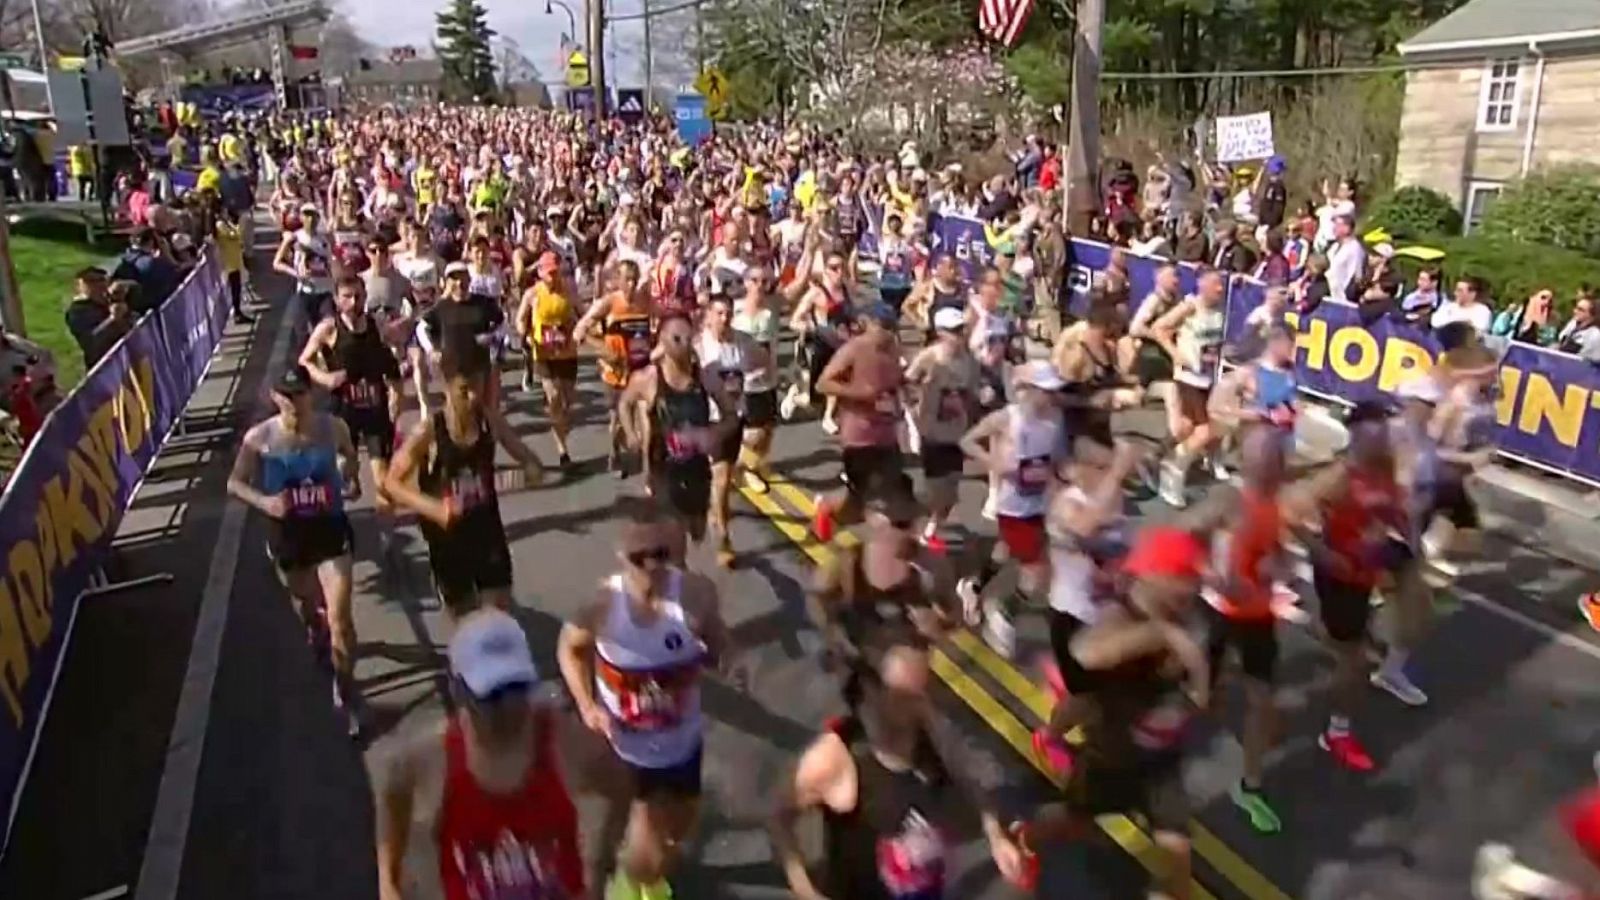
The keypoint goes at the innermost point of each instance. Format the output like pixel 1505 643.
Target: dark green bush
pixel 1559 207
pixel 1515 270
pixel 1413 213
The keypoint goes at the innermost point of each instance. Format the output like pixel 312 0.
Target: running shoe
pixel 790 403
pixel 935 544
pixel 1589 608
pixel 755 482
pixel 822 521
pixel 999 633
pixel 1396 682
pixel 1173 485
pixel 1052 751
pixel 990 511
pixel 971 601
pixel 1219 470
pixel 564 461
pixel 1256 808
pixel 829 425
pixel 1346 751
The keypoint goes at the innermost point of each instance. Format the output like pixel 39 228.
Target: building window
pixel 1480 196
pixel 1497 104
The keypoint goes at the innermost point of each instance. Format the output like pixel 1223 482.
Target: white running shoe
pixel 1496 875
pixel 789 403
pixel 829 426
pixel 1400 685
pixel 1000 634
pixel 971 602
pixel 1174 485
pixel 989 510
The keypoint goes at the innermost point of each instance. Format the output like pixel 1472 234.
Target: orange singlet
pixel 1251 546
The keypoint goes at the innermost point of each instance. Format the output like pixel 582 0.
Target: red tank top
pixel 517 846
pixel 1356 522
pixel 874 423
pixel 1251 546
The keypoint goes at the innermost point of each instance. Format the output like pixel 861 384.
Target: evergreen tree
pixel 463 50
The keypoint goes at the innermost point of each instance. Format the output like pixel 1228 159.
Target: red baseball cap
pixel 1165 551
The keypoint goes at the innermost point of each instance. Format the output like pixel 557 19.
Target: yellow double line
pixel 1244 878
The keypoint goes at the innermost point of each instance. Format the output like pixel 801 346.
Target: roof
pixel 1483 25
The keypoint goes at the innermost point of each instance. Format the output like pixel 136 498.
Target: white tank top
pixel 313 260
pixel 1034 445
pixel 648 678
pixel 1072 572
pixel 727 360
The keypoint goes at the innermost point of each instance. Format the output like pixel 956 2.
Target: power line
pixel 663 11
pixel 1279 73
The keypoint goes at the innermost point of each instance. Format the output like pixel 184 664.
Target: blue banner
pixel 213 101
pixel 62 506
pixel 694 119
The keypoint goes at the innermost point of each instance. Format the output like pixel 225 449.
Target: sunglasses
pixel 649 554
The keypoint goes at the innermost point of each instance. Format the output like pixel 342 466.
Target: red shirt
pixel 1357 521
pixel 1253 543
pixel 517 846
pixel 1050 173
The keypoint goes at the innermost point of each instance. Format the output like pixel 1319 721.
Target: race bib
pixel 638 349
pixel 911 862
pixel 310 499
pixel 509 869
pixel 952 405
pixel 554 337
pixel 652 701
pixel 362 394
pixel 888 404
pixel 468 490
pixel 1033 475
pixel 1161 728
pixel 684 444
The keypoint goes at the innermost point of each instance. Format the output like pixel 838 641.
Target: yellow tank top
pixel 553 320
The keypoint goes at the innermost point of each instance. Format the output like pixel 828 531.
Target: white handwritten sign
pixel 1241 138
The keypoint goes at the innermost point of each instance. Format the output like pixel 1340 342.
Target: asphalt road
pixel 279 806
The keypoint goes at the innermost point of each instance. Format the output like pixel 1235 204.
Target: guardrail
pixel 60 511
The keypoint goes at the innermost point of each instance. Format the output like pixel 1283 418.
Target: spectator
pixel 1297 247
pixel 1152 239
pixel 1417 307
pixel 144 263
pixel 1274 197
pixel 1379 295
pixel 1533 322
pixel 1466 306
pixel 138 201
pixel 1347 258
pixel 229 236
pixel 1270 313
pixel 95 322
pixel 1157 191
pixel 1050 169
pixel 1232 254
pixel 1312 288
pixel 997 200
pixel 1340 201
pixel 27 382
pixel 1273 270
pixel 1192 245
pixel 1581 335
pixel 1029 161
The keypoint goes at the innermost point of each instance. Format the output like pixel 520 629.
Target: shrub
pixel 1413 213
pixel 1560 207
pixel 1515 270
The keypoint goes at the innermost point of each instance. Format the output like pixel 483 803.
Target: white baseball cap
pixel 949 319
pixel 490 651
pixel 1042 375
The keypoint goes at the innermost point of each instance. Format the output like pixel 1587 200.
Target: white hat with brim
pixel 1040 375
pixel 489 652
pixel 949 319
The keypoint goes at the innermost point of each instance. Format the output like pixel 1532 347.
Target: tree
pixel 464 51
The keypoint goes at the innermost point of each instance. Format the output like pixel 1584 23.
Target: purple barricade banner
pixel 192 322
pixel 61 507
pixel 1548 410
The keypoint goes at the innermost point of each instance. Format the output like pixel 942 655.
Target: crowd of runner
pixel 722 291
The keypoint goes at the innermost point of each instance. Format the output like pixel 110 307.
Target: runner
pixel 492 781
pixel 865 376
pixel 881 779
pixel 632 660
pixel 667 412
pixel 627 338
pixel 1192 333
pixel 1024 445
pixel 546 318
pixel 462 325
pixel 757 318
pixel 306 255
pixel 298 467
pixel 1265 389
pixel 1463 426
pixel 897 265
pixel 445 473
pixel 1087 532
pixel 1149 680
pixel 941 290
pixel 1095 387
pixel 823 318
pixel 945 378
pixel 347 356
pixel 736 363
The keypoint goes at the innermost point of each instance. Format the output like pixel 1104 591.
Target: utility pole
pixel 1083 155
pixel 649 63
pixel 597 56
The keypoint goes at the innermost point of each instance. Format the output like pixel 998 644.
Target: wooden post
pixel 1083 153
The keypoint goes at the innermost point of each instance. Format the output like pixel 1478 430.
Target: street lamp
pixel 572 20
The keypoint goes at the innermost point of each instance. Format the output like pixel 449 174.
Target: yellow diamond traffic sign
pixel 577 70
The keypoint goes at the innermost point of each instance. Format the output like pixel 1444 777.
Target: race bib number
pixel 468 490
pixel 1033 475
pixel 638 351
pixel 684 444
pixel 362 394
pixel 554 337
pixel 310 499
pixel 911 862
pixel 652 701
pixel 506 870
pixel 1161 728
pixel 952 405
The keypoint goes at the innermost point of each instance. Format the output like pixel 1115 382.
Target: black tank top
pixel 463 476
pixel 1139 715
pixel 682 418
pixel 366 362
pixel 866 605
pixel 943 299
pixel 887 848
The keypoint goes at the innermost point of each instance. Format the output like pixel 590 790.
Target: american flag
pixel 1002 20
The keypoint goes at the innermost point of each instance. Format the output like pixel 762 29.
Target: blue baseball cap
pixel 881 312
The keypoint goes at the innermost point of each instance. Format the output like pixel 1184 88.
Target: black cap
pixel 294 381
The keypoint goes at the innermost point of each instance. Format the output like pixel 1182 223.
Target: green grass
pixel 46 255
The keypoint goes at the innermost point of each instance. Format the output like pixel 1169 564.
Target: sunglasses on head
pixel 649 554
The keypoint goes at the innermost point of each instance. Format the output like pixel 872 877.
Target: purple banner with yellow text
pixel 61 507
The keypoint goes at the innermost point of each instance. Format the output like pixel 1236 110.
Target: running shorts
pixel 1063 627
pixel 677 780
pixel 315 306
pixel 1345 607
pixel 1153 787
pixel 761 409
pixel 1024 538
pixel 1194 403
pixel 371 430
pixel 1151 364
pixel 872 472
pixel 730 441
pixel 1255 639
pixel 558 369
pixel 942 460
pixel 296 544
pixel 467 561
pixel 686 488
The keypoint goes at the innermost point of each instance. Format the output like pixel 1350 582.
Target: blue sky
pixel 387 23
